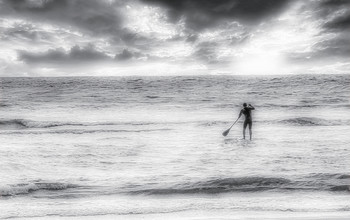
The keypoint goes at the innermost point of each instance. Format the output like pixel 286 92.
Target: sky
pixel 174 37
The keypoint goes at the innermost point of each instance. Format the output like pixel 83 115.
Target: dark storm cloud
pixel 97 17
pixel 100 18
pixel 338 13
pixel 75 54
pixel 200 14
pixel 342 22
pixel 334 2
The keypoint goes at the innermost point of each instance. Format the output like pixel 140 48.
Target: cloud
pixel 333 43
pixel 24 32
pixel 87 14
pixel 96 17
pixel 207 52
pixel 336 13
pixel 200 14
pixel 340 22
pixel 339 47
pixel 75 54
pixel 80 55
pixel 327 51
pixel 70 36
pixel 129 55
pixel 105 19
pixel 125 55
pixel 334 2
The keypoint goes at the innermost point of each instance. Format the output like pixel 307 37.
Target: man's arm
pixel 240 113
pixel 251 107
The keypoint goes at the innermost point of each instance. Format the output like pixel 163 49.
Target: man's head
pixel 244 104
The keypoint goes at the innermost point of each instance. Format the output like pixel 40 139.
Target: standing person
pixel 246 111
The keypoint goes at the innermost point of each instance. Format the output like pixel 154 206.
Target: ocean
pixel 152 147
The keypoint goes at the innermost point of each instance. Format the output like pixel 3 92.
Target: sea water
pixel 135 146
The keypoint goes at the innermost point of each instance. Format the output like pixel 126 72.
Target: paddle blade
pixel 225 133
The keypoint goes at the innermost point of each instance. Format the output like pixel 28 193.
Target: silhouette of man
pixel 246 111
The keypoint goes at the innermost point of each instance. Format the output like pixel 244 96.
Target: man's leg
pixel 250 130
pixel 244 127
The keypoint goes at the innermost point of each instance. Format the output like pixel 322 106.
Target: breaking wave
pixel 245 184
pixel 26 188
pixel 22 123
pixel 251 184
pixel 311 121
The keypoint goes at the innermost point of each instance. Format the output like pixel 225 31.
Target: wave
pixel 13 122
pixel 251 184
pixel 86 131
pixel 340 188
pixel 298 121
pixel 312 121
pixel 152 96
pixel 22 123
pixel 335 176
pixel 247 184
pixel 243 184
pixel 26 188
pixel 338 103
pixel 26 124
pixel 290 106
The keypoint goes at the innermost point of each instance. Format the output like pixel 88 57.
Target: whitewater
pixel 152 147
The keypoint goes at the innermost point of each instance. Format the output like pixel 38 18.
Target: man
pixel 246 111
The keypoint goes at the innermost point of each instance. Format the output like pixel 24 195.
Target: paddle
pixel 225 133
